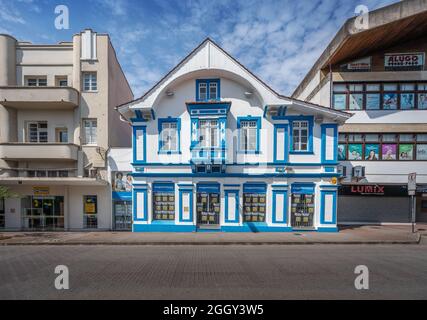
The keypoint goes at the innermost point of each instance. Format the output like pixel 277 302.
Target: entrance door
pixel 208 208
pixel 302 210
pixel 43 213
pixel 122 215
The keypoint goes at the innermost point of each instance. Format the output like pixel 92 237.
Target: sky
pixel 278 40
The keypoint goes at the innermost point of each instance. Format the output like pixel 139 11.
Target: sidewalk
pixel 347 235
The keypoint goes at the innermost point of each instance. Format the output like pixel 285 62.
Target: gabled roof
pixel 315 107
pixel 389 25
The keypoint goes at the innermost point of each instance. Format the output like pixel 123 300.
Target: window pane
pixel 340 101
pixel 407 87
pixel 406 137
pixel 389 152
pixel 42 82
pixel 341 137
pixel 372 101
pixel 372 87
pixel 372 152
pixel 355 87
pixel 406 152
pixel 422 86
pixel 389 137
pixel 422 101
pixel 356 102
pixel 390 101
pixel 422 137
pixel 355 137
pixel 213 91
pixel 203 91
pixel 355 152
pixel 340 88
pixel 407 101
pixel 390 87
pixel 372 137
pixel 421 151
pixel 32 82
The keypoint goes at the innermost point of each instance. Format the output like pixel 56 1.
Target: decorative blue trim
pixel 254 187
pixel 208 82
pixel 310 120
pixel 160 123
pixel 329 229
pixel 329 169
pixel 227 194
pixel 258 127
pixel 122 195
pixel 134 146
pixel 181 193
pixel 272 164
pixel 237 175
pixel 255 227
pixel 135 203
pixel 231 185
pixel 323 194
pixel 286 146
pixel 303 188
pixel 279 186
pixel 214 109
pixel 163 228
pixel 323 130
pixel 285 206
pixel 210 187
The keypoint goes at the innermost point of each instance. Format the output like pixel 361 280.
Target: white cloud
pixel 9 13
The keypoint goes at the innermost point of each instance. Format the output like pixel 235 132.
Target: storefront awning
pixel 74 181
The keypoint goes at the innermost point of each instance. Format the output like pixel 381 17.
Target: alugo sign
pixel 404 60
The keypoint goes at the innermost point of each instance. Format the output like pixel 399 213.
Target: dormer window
pixel 207 90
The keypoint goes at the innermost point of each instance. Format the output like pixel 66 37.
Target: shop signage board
pixel 41 190
pixel 363 64
pixel 412 183
pixel 406 61
pixel 373 190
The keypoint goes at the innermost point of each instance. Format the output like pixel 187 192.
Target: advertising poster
pixel 390 101
pixel 340 101
pixel 422 101
pixel 406 152
pixel 372 101
pixel 354 152
pixel 342 151
pixel 356 102
pixel 407 101
pixel 372 152
pixel 421 151
pixel 389 151
pixel 122 181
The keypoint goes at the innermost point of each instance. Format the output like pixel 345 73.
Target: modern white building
pixel 57 123
pixel 378 73
pixel 215 148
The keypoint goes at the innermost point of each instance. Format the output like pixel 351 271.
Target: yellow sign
pixel 334 180
pixel 89 207
pixel 41 191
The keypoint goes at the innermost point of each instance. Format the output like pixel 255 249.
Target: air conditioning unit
pixel 342 171
pixel 358 172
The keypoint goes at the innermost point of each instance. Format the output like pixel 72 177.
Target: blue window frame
pixel 139 144
pixel 249 134
pixel 301 134
pixel 169 135
pixel 208 90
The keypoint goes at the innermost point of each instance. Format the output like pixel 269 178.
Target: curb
pixel 211 243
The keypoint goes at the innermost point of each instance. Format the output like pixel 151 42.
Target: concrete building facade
pixel 57 123
pixel 378 73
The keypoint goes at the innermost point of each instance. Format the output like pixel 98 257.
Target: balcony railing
pixel 36 97
pixel 38 151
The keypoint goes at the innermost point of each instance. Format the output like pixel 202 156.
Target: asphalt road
pixel 214 272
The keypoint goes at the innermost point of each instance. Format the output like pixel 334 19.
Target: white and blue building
pixel 215 148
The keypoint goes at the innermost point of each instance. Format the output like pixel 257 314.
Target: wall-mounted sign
pixel 363 64
pixel 41 191
pixel 404 61
pixel 373 190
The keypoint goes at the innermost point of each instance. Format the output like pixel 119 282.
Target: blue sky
pixel 278 40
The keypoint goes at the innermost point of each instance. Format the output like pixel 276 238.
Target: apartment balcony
pixel 39 97
pixel 38 151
